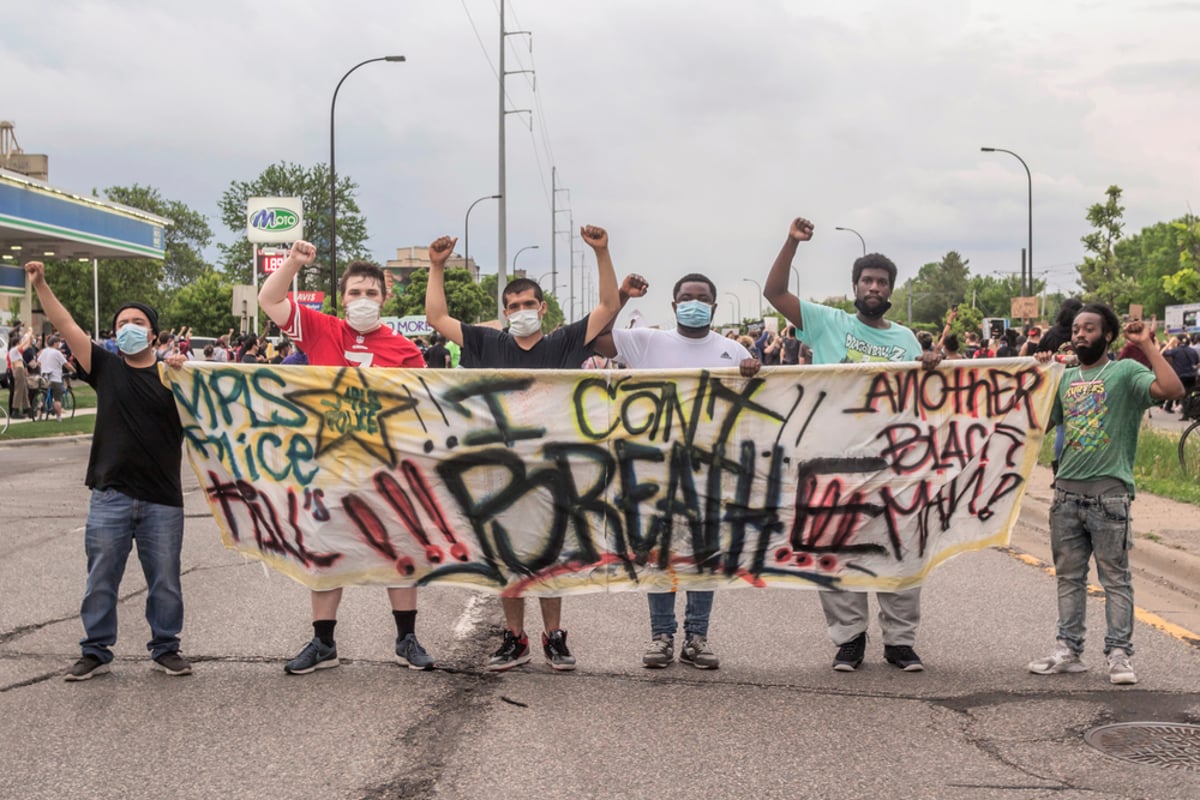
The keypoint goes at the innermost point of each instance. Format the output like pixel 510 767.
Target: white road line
pixel 470 618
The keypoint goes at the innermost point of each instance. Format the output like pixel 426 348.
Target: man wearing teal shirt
pixel 1100 404
pixel 837 337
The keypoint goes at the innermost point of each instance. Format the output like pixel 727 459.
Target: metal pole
pixel 502 245
pixel 96 295
pixel 796 272
pixel 1029 178
pixel 518 255
pixel 467 230
pixel 737 300
pixel 553 225
pixel 760 295
pixel 856 233
pixel 333 293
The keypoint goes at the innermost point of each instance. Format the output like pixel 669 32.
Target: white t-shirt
pixel 650 348
pixel 52 361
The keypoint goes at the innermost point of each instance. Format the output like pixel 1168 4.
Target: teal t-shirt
pixel 1101 409
pixel 837 337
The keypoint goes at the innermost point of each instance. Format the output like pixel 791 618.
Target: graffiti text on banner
pixel 857 477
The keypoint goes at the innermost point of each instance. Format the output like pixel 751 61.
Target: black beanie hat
pixel 151 315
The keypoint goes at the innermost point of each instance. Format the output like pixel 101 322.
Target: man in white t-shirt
pixel 51 362
pixel 691 344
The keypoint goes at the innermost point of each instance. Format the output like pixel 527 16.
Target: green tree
pixel 185 238
pixel 312 185
pixel 1101 274
pixel 205 305
pixel 937 286
pixel 464 298
pixel 1184 284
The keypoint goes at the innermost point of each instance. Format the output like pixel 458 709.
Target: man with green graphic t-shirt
pixel 1100 403
pixel 837 337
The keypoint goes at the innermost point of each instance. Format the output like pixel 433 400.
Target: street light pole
pixel 856 233
pixel 737 300
pixel 1029 269
pixel 333 293
pixel 518 255
pixel 760 295
pixel 467 230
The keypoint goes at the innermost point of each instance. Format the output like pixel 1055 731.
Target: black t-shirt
pixel 489 348
pixel 1053 339
pixel 435 357
pixel 137 444
pixel 791 350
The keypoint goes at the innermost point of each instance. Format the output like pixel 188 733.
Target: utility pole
pixel 502 248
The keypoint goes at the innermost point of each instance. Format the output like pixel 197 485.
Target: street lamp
pixel 856 233
pixel 522 250
pixel 467 229
pixel 758 286
pixel 796 272
pixel 737 300
pixel 333 294
pixel 1029 176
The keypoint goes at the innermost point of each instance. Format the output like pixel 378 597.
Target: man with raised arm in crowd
pixel 691 343
pixel 837 337
pixel 524 346
pixel 133 472
pixel 1099 404
pixel 359 340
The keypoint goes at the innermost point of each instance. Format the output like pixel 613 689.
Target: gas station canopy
pixel 38 221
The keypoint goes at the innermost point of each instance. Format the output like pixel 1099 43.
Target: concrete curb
pixel 75 437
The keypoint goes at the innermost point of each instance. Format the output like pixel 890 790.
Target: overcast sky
pixel 693 131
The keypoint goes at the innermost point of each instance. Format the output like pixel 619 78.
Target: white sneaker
pixel 1063 660
pixel 1120 671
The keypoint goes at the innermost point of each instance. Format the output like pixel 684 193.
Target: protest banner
pixel 860 477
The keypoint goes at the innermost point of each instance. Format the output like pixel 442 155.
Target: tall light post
pixel 737 300
pixel 518 255
pixel 796 272
pixel 856 233
pixel 760 294
pixel 467 229
pixel 333 293
pixel 1028 269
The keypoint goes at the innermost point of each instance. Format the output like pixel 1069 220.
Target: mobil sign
pixel 274 219
pixel 409 326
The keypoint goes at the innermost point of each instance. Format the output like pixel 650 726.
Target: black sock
pixel 323 629
pixel 406 622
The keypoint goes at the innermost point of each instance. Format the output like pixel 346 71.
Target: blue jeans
pixel 115 521
pixel 1082 526
pixel 695 617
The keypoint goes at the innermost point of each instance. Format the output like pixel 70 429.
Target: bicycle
pixel 3 419
pixel 1189 446
pixel 45 406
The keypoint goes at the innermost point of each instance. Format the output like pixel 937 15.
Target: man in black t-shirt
pixel 524 346
pixel 436 355
pixel 133 472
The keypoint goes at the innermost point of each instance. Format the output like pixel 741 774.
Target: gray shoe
pixel 1120 671
pixel 1064 659
pixel 315 655
pixel 660 653
pixel 85 668
pixel 410 653
pixel 172 663
pixel 697 653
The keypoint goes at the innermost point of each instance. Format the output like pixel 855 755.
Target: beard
pixel 1089 354
pixel 872 310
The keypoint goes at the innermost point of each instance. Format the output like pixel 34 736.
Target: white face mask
pixel 363 314
pixel 524 323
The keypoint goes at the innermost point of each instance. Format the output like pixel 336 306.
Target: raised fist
pixel 303 252
pixel 596 238
pixel 441 249
pixel 801 229
pixel 634 286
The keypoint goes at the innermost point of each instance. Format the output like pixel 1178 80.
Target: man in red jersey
pixel 359 340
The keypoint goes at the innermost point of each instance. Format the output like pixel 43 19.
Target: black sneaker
pixel 513 652
pixel 850 654
pixel 903 657
pixel 315 655
pixel 172 663
pixel 86 667
pixel 554 645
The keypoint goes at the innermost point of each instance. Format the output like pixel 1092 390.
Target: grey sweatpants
pixel 899 614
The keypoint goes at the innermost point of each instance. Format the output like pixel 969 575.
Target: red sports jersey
pixel 331 342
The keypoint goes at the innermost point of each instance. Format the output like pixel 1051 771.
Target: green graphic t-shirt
pixel 837 337
pixel 1101 409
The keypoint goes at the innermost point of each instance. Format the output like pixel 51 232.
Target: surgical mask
pixel 363 314
pixel 132 339
pixel 693 314
pixel 524 323
pixel 872 312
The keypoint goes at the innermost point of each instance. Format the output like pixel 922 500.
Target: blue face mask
pixel 694 314
pixel 132 339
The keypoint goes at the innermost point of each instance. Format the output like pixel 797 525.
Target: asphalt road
pixel 774 722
